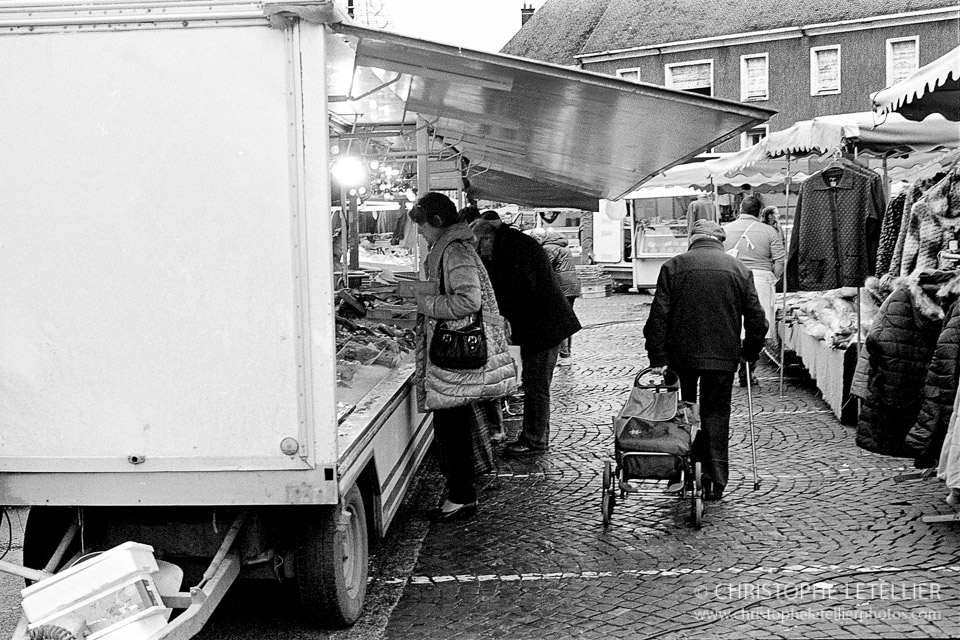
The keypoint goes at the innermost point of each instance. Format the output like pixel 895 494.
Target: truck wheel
pixel 331 562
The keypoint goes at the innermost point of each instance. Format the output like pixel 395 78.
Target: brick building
pixel 804 58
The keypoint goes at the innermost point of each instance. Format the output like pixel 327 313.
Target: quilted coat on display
pixel 900 345
pixel 926 437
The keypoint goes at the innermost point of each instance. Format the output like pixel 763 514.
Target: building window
pixel 695 77
pixel 629 74
pixel 754 77
pixel 753 136
pixel 824 70
pixel 903 58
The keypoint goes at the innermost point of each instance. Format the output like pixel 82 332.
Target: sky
pixel 485 25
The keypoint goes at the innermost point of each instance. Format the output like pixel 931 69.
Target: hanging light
pixel 349 171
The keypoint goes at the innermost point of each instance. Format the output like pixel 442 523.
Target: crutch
pixel 753 437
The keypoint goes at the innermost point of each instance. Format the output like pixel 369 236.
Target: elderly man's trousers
pixel 711 446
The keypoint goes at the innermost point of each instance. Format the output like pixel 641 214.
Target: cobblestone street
pixel 828 547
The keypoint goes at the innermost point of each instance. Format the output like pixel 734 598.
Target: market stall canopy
pixel 933 88
pixel 887 135
pixel 531 131
pixel 764 176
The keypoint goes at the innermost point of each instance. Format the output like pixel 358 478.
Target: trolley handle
pixel 670 381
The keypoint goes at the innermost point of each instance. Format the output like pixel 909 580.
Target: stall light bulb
pixel 353 192
pixel 349 171
pixel 374 164
pixel 363 190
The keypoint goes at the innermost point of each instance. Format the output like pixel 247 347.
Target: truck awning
pixel 534 133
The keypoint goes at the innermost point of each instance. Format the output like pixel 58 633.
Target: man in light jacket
pixel 704 298
pixel 760 247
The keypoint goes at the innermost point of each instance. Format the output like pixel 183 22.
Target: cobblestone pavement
pixel 829 546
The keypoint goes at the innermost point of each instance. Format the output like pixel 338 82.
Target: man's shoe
pixel 460 512
pixel 518 448
pixel 564 361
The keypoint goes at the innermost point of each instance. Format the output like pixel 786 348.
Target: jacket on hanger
pixel 836 231
pixel 934 221
pixel 925 439
pixel 900 346
pixel 890 231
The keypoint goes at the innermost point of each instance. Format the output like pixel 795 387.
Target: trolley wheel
pixel 331 562
pixel 608 498
pixel 696 497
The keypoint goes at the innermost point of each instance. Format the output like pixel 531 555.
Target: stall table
pixel 831 368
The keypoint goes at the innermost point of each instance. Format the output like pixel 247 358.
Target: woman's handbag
pixel 455 347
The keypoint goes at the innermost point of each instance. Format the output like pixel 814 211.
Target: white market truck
pixel 167 326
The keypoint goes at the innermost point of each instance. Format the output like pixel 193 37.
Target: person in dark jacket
pixel 704 298
pixel 540 318
pixel 561 260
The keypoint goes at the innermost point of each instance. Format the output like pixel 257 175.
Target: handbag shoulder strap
pixel 744 234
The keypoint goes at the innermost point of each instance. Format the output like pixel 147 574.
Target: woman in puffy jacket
pixel 456 396
pixel 561 259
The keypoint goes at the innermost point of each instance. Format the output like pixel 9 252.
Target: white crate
pixel 119 580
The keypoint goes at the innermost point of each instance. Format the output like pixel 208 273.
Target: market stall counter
pixel 821 330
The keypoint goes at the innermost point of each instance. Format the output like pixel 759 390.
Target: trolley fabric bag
pixel 654 419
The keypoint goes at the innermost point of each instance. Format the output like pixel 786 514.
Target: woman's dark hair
pixel 435 209
pixel 490 214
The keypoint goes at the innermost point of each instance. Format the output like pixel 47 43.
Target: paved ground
pixel 828 547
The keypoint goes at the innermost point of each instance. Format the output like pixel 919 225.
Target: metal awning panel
pixel 597 135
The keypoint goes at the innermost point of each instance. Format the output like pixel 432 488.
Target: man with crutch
pixel 704 298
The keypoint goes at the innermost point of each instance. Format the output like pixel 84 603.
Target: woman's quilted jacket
pixel 466 287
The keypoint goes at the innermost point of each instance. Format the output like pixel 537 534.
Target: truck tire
pixel 332 562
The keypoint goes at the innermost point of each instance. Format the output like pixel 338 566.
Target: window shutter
pixel 828 70
pixel 690 76
pixel 755 70
pixel 903 61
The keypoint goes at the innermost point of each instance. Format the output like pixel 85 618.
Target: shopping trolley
pixel 653 437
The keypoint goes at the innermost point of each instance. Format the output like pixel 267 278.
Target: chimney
pixel 525 13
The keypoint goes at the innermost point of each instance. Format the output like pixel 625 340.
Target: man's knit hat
pixel 708 228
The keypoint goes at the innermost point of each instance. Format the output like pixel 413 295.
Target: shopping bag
pixel 655 419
